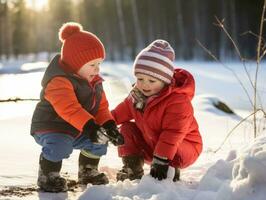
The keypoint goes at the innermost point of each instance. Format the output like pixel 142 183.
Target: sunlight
pixel 36 4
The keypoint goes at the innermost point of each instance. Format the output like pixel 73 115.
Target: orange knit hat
pixel 79 46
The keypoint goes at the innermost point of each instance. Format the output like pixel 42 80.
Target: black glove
pixel 113 134
pixel 91 130
pixel 159 168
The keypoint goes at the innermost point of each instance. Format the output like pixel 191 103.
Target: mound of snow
pixel 212 104
pixel 146 188
pixel 238 177
pixel 35 66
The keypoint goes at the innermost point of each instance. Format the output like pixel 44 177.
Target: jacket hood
pixel 183 83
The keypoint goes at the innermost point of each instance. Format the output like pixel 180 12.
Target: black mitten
pixel 90 129
pixel 113 134
pixel 159 168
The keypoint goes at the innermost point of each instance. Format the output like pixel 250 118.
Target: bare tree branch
pixel 258 37
pixel 262 55
pixel 261 51
pixel 228 68
pixel 243 60
pixel 221 25
pixel 233 129
pixel 257 68
pixel 17 99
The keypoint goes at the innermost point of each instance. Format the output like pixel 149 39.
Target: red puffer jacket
pixel 168 119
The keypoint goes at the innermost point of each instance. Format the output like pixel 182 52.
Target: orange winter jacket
pixel 66 105
pixel 67 102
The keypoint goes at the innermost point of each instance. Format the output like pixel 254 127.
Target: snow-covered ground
pixel 236 171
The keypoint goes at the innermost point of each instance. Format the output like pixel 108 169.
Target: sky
pixel 236 171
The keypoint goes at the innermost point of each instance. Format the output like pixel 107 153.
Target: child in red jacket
pixel 72 111
pixel 164 131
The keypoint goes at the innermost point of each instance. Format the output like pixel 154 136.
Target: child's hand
pixel 114 135
pixel 139 99
pixel 92 131
pixel 159 168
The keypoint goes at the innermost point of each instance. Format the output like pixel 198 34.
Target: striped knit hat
pixel 156 60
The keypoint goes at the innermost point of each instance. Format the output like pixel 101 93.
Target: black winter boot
pixel 88 171
pixel 177 175
pixel 132 169
pixel 49 179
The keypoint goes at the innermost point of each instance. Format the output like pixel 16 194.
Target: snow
pixel 236 171
pixel 238 177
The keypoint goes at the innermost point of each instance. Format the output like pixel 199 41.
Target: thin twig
pixel 258 37
pixel 221 25
pixel 257 68
pixel 264 52
pixel 228 68
pixel 17 99
pixel 227 136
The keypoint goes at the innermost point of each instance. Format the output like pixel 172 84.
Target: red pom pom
pixel 69 29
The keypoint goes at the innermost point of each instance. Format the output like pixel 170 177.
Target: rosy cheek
pixel 139 87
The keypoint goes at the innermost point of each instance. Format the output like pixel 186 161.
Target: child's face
pixel 149 85
pixel 90 69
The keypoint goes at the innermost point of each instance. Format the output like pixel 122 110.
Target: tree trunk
pixel 5 36
pixel 121 28
pixel 182 40
pixel 198 34
pixel 233 26
pixel 139 39
pixel 222 52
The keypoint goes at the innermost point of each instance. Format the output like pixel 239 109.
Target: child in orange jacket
pixel 72 111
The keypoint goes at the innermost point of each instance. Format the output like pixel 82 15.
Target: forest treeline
pixel 126 26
